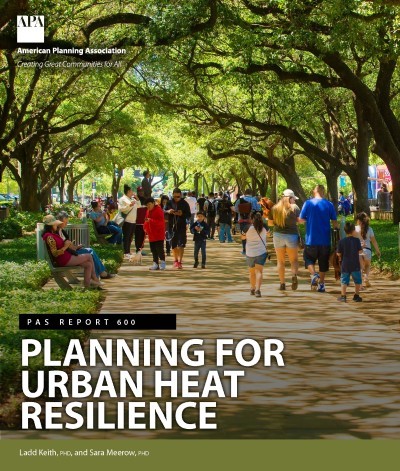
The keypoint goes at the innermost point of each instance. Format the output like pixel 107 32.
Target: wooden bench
pixel 382 215
pixel 101 238
pixel 63 276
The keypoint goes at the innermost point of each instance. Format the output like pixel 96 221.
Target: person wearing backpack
pixel 244 206
pixel 224 210
pixel 211 212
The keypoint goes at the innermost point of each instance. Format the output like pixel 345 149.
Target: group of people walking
pixel 167 222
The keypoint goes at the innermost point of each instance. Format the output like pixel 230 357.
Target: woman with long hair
pixel 367 236
pixel 256 252
pixel 283 217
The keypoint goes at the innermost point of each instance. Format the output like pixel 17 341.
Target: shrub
pixel 26 219
pixel 49 302
pixel 110 255
pixel 10 229
pixel 19 250
pixel 31 275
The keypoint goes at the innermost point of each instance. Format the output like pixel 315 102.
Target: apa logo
pixel 30 29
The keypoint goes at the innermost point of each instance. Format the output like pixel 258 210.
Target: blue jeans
pixel 225 231
pixel 98 265
pixel 111 228
pixel 200 244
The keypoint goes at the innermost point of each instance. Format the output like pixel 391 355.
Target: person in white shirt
pixel 367 236
pixel 128 208
pixel 256 252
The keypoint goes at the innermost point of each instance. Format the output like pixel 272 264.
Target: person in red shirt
pixel 60 252
pixel 154 226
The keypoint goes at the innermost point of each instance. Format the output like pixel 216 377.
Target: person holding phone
pixel 100 269
pixel 178 212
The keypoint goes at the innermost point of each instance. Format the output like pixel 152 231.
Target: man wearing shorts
pixel 178 213
pixel 318 213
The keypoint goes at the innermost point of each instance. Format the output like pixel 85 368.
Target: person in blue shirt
pixel 104 225
pixel 318 213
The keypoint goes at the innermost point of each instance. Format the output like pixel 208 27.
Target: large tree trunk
pixel 45 198
pixel 29 196
pixel 395 173
pixel 274 181
pixel 293 182
pixel 332 176
pixel 360 176
pixel 196 183
pixel 70 191
pixel 62 188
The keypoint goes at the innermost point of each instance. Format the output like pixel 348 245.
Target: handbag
pixel 120 217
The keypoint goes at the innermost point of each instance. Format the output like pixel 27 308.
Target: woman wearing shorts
pixel 256 253
pixel 367 236
pixel 283 217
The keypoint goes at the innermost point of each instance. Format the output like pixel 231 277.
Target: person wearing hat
pixel 64 258
pixel 283 217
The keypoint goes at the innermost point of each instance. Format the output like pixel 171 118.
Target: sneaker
pixel 127 256
pixel 143 252
pixel 282 287
pixel 253 291
pixel 294 282
pixel 357 298
pixel 321 288
pixel 243 252
pixel 342 299
pixel 176 264
pixel 203 266
pixel 180 265
pixel 154 266
pixel 257 293
pixel 196 264
pixel 314 281
pixel 163 265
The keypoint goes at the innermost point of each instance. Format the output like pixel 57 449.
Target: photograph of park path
pixel 341 379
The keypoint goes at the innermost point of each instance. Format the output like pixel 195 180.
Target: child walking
pixel 349 250
pixel 367 236
pixel 200 230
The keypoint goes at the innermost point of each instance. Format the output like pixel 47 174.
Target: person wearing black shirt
pixel 349 250
pixel 200 202
pixel 146 185
pixel 178 213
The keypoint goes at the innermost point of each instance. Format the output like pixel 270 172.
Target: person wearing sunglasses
pixel 178 211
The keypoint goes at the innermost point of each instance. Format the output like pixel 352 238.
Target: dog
pixel 136 259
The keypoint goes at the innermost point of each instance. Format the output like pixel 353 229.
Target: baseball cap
pixel 289 193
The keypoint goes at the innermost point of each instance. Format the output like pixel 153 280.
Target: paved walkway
pixel 341 378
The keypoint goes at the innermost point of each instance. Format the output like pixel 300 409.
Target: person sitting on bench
pixel 100 269
pixel 60 251
pixel 104 225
